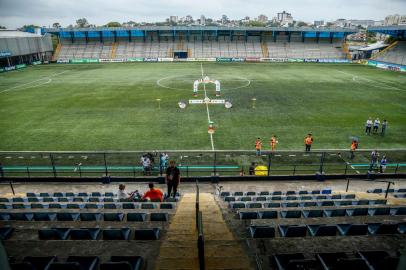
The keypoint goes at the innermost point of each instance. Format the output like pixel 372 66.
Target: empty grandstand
pixel 19 48
pixel 395 54
pixel 192 42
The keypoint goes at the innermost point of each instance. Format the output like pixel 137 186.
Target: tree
pixel 56 25
pixel 26 27
pixel 81 23
pixel 113 24
pixel 256 24
pixel 301 24
pixel 2 27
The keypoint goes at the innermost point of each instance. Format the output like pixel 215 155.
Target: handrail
pixel 199 227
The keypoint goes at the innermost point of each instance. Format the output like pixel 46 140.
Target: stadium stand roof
pixel 393 30
pixel 205 28
pixel 16 33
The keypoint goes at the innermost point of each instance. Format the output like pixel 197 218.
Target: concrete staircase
pixel 56 52
pixel 179 248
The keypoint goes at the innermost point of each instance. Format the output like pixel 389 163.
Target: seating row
pixel 237 205
pixel 6 232
pixel 64 216
pixel 89 206
pixel 391 190
pixel 290 198
pixel 278 192
pixel 97 233
pixel 367 260
pixel 71 194
pixel 76 199
pixel 79 263
pixel 327 230
pixel 318 213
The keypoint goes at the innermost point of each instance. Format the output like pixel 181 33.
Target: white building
pixel 262 18
pixel 173 19
pixel 395 20
pixel 202 20
pixel 318 23
pixel 284 18
pixel 188 19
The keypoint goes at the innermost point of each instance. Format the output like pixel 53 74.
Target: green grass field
pixel 114 107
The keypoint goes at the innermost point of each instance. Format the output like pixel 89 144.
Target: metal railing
pixel 195 163
pixel 199 227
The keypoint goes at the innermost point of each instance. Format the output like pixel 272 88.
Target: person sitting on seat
pixel 153 193
pixel 122 195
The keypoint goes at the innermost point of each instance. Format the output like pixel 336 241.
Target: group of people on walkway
pixel 172 179
pixel 308 141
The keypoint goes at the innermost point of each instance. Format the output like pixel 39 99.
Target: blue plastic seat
pixel 254 205
pixel 292 230
pixel 4 216
pixel 84 234
pixel 293 261
pixel 4 200
pixel 159 217
pixel 63 216
pixel 76 263
pixel 238 193
pixel 276 198
pixel 18 199
pixel 79 199
pixel 334 212
pixel 355 212
pixel 73 206
pixel 379 259
pixel 379 228
pixel 38 262
pixel 44 194
pixel 58 194
pixel 70 194
pixel 6 206
pixel 277 193
pixel 322 230
pixel 306 198
pixel 302 192
pixel 290 192
pixel 63 199
pixel 262 231
pixel 312 213
pixel 116 234
pixel 31 194
pixel 6 232
pixel 237 205
pixel 264 193
pixel 290 204
pixel 268 214
pixel 128 205
pixel 32 199
pixel 147 234
pixel 123 263
pixel 113 216
pixel 225 194
pixel 291 198
pixel 321 197
pixel 108 194
pixel 54 206
pixel 343 203
pixel 148 206
pixel 353 229
pixel 54 234
pixel 291 214
pixel 91 206
pixel 272 205
pixel 83 194
pixel 90 216
pixel 384 211
pixel 39 216
pixel 337 262
pixel 245 199
pixel 349 196
pixel 377 202
pixel 260 199
pixel 166 206
pixel 315 191
pixel 94 199
pixel 248 215
pixel 229 199
pixel 108 199
pixel 48 199
pixel 251 193
pixel 96 194
pixel 21 216
pixel 398 211
pixel 137 217
pixel 327 203
pixel 336 197
pixel 19 206
pixel 309 204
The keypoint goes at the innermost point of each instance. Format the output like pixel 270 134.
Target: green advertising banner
pixel 75 61
pixel 2 70
pixel 36 63
pixel 223 59
pixel 21 66
pixel 137 59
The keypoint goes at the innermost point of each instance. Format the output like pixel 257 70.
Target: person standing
pixel 374 159
pixel 368 126
pixel 172 178
pixel 258 146
pixel 384 126
pixel 308 142
pixel 354 146
pixel 382 165
pixel 273 142
pixel 376 125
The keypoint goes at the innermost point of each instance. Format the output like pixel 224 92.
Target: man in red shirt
pixel 153 193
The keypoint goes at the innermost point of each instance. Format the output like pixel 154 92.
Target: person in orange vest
pixel 273 142
pixel 258 146
pixel 354 146
pixel 308 142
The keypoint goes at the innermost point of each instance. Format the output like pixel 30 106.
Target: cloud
pixel 15 13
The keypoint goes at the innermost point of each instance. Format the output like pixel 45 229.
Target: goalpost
pixel 206 80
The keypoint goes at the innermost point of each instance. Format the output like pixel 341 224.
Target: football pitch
pixel 111 106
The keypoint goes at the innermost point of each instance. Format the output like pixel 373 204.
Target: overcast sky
pixel 15 13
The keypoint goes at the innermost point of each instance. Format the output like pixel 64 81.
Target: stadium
pixel 261 132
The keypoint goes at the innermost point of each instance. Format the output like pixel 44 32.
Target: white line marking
pixel 292 155
pixel 374 83
pixel 207 107
pixel 28 83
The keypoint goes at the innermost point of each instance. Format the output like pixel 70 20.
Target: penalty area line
pixel 207 107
